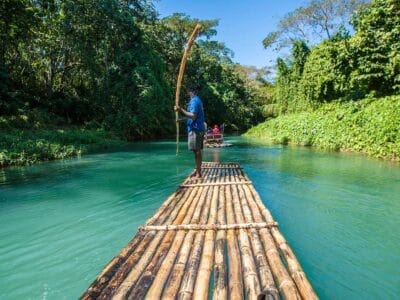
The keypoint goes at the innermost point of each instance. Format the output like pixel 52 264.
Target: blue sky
pixel 243 24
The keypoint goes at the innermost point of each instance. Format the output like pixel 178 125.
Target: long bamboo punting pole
pixel 180 77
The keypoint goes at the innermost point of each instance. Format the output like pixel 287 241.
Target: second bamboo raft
pixel 212 238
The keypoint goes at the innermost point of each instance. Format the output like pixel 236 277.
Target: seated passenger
pixel 215 130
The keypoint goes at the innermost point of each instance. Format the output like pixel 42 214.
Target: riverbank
pixel 20 147
pixel 369 126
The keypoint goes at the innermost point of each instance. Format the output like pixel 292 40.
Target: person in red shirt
pixel 215 130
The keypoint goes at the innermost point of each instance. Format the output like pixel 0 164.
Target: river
pixel 61 222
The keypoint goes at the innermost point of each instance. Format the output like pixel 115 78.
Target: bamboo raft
pixel 212 238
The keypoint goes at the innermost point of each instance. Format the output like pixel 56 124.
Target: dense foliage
pixel 71 69
pixel 346 67
pixel 22 147
pixel 341 94
pixel 370 126
pixel 112 63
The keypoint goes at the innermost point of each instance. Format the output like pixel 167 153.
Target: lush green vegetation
pixel 369 126
pixel 108 65
pixel 80 73
pixel 340 94
pixel 37 136
pixel 22 147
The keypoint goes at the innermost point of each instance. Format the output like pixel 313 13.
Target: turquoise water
pixel 61 222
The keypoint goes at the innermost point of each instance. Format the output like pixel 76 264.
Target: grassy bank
pixel 370 126
pixel 23 147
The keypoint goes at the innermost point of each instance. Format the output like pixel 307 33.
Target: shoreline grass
pixel 20 147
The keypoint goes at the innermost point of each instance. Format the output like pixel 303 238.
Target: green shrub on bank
pixel 368 126
pixel 23 147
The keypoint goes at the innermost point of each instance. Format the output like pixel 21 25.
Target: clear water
pixel 61 222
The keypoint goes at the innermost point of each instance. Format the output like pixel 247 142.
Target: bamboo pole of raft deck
pixel 252 284
pixel 180 77
pixel 267 281
pixel 283 280
pixel 220 279
pixel 234 258
pixel 161 277
pixel 207 258
pixel 175 278
pixel 138 269
pixel 139 258
pixel 148 275
pixel 142 259
pixel 158 270
pixel 304 287
pixel 268 287
pixel 104 277
pixel 172 286
pixel 189 278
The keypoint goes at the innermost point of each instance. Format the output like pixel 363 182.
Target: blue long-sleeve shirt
pixel 196 106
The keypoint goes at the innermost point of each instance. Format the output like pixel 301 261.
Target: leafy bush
pixel 368 126
pixel 23 147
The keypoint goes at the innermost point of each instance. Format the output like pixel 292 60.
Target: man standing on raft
pixel 194 116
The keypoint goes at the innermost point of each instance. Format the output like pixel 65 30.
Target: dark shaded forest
pixel 112 64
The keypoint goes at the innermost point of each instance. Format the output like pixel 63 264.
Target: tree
pixel 326 74
pixel 320 19
pixel 112 63
pixel 287 89
pixel 375 48
pixel 17 21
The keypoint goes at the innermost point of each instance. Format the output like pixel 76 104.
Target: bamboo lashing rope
pixel 207 226
pixel 180 77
